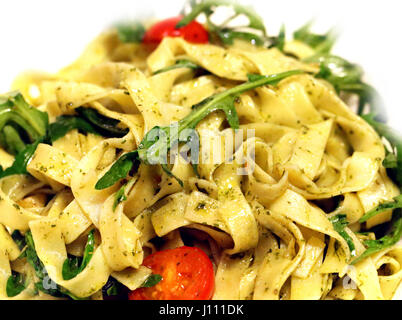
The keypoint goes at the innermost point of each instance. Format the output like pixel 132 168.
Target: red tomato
pixel 193 32
pixel 187 274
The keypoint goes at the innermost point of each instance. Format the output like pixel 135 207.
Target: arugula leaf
pixel 105 126
pixel 75 265
pixel 367 95
pixel 38 120
pixel 280 40
pixel 52 292
pixel 19 239
pixel 374 246
pixel 153 149
pixel 71 267
pixel 11 139
pixel 131 32
pixel 390 161
pixel 114 290
pixel 343 75
pixel 59 292
pixel 322 43
pixel 64 124
pixel 252 77
pixel 41 271
pixel 119 197
pixel 16 283
pixel 346 77
pixel 22 128
pixel 396 204
pixel 20 123
pixel 88 121
pixel 5 101
pixel 224 33
pixel 183 63
pixel 89 250
pixel 336 69
pixel 394 160
pixel 32 257
pixel 340 223
pixel 228 36
pixel 152 280
pixel 119 170
pixel 21 161
pixel 207 6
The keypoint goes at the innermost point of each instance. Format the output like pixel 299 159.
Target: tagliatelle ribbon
pixel 254 202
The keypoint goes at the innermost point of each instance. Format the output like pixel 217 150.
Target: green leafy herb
pixel 394 158
pixel 337 70
pixel 21 160
pixel 367 95
pixel 179 64
pixel 131 32
pixel 207 7
pixel 32 257
pixel 374 246
pixel 22 128
pixel 151 281
pixel 19 239
pixel 88 121
pixel 75 265
pixel 16 283
pixel 322 43
pixel 18 120
pixel 71 267
pixel 119 197
pixel 396 204
pixel 390 161
pixel 280 40
pixel 64 124
pixel 14 108
pixel 340 223
pixel 273 82
pixel 50 291
pixel 119 170
pixel 153 149
pixel 114 290
pixel 343 75
pixel 10 138
pixel 228 34
pixel 59 292
pixel 346 77
pixel 20 123
pixel 105 126
pixel 41 272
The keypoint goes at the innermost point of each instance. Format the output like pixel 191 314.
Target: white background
pixel 47 35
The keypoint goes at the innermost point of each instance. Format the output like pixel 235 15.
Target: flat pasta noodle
pixel 261 201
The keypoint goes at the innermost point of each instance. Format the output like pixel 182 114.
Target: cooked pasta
pixel 80 215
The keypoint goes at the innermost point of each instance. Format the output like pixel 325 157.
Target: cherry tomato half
pixel 193 32
pixel 187 274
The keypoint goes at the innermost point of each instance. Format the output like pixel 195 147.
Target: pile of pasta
pixel 267 232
